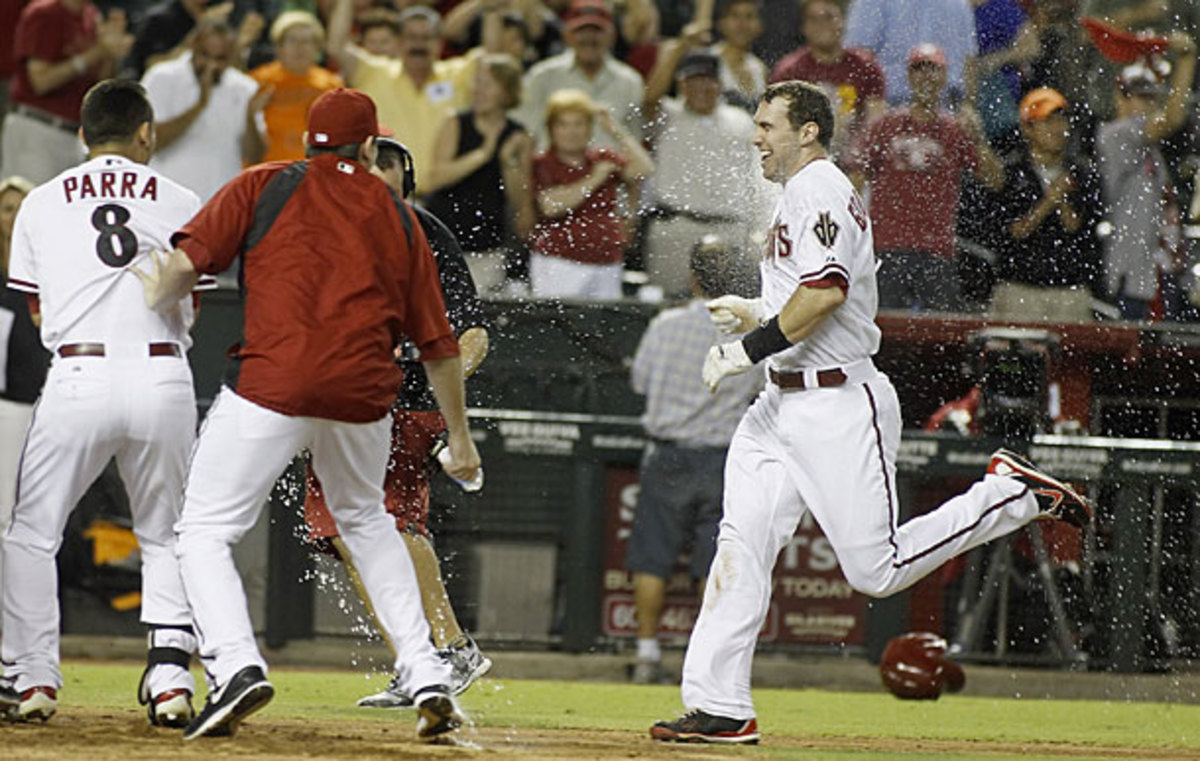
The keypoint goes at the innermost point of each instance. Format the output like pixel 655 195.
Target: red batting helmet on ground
pixel 915 667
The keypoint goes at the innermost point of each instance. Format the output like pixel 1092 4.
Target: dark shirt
pixel 475 208
pixel 1050 256
pixel 342 274
pixel 27 358
pixel 463 308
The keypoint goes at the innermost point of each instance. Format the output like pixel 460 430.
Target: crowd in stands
pixel 1031 158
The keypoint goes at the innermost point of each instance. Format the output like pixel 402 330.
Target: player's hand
pixel 734 314
pixel 461 460
pixel 152 280
pixel 722 360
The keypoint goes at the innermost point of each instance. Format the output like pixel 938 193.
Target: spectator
pixel 704 158
pixel 168 28
pixel 466 25
pixel 689 430
pixel 414 93
pixel 295 81
pixel 890 28
pixel 853 73
pixel 208 114
pixel 587 66
pixel 379 33
pixel 1065 58
pixel 1006 42
pixel 579 242
pixel 743 74
pixel 913 159
pixel 1049 256
pixel 23 360
pixel 62 48
pixel 1142 255
pixel 480 174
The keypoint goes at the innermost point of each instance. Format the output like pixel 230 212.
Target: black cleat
pixel 1055 499
pixel 437 713
pixel 247 692
pixel 700 727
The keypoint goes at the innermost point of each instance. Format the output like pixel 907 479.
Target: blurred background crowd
pixel 1018 157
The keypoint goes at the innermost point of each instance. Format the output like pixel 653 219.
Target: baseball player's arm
pixel 446 379
pixel 171 276
pixel 473 349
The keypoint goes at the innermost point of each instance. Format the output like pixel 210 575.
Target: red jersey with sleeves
pixel 329 291
pixel 592 233
pixel 821 237
pixel 856 75
pixel 51 32
pixel 915 170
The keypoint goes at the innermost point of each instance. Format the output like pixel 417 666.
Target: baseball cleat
pixel 392 696
pixel 172 708
pixel 1055 499
pixel 700 727
pixel 248 691
pixel 437 713
pixel 10 700
pixel 37 703
pixel 467 664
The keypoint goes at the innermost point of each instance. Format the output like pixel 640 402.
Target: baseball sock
pixel 648 650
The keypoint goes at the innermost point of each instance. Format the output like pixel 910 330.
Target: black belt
pixel 97 350
pixel 825 379
pixel 38 115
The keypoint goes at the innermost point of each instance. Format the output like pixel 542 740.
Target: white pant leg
pixel 70 440
pixel 761 511
pixel 241 451
pixel 841 444
pixel 14 424
pixel 351 461
pixel 153 463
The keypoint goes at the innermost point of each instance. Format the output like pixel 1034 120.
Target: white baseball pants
pixel 831 451
pixel 242 450
pixel 129 405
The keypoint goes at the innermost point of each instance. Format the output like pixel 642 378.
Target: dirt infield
pixel 108 735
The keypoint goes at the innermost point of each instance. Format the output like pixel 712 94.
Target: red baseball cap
pixel 1039 104
pixel 589 13
pixel 927 52
pixel 342 117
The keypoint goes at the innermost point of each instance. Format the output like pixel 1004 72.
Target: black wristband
pixel 764 341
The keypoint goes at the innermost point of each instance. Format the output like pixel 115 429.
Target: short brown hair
pixel 507 71
pixel 806 103
pixel 568 101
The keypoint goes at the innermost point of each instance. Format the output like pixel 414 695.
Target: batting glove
pixel 734 314
pixel 722 360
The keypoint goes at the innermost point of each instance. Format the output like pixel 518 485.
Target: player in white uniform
pixel 823 434
pixel 119 386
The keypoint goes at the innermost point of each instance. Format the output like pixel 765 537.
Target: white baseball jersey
pixel 76 235
pixel 821 229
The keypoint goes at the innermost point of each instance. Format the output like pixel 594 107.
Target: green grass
pixel 517 704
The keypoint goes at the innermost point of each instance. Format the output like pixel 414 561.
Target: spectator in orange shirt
pixel 297 81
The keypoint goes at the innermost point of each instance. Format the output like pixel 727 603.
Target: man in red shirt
pixel 853 73
pixel 913 158
pixel 61 48
pixel 335 270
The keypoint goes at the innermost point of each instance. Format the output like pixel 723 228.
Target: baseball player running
pixel 334 271
pixel 417 430
pixel 119 386
pixel 823 434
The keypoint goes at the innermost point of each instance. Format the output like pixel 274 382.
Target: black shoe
pixel 245 693
pixel 437 713
pixel 10 700
pixel 1055 499
pixel 700 727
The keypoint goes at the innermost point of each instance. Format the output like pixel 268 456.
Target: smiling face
pixel 780 146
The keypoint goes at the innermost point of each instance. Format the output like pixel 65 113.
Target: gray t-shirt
pixel 1135 195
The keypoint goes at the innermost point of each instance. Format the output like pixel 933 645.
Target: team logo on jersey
pixel 826 230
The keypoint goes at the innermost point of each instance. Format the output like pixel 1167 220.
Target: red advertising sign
pixel 811 602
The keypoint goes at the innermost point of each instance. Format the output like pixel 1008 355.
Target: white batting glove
pixel 734 314
pixel 722 360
